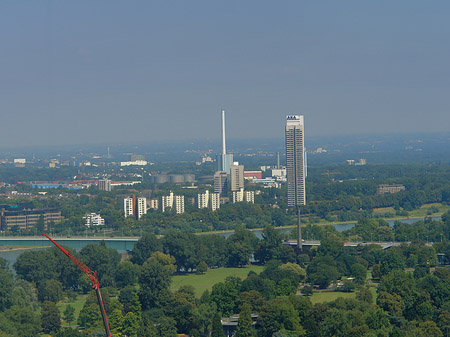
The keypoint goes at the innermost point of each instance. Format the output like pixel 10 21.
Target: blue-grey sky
pixel 139 71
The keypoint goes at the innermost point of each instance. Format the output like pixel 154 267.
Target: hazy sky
pixel 134 71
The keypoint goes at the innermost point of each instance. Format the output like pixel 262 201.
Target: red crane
pixel 94 283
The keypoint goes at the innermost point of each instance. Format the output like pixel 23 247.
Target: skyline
pixel 82 73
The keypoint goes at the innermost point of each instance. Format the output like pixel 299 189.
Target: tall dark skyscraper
pixel 295 165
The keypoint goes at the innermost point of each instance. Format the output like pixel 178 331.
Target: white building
pixel 172 200
pixel 93 219
pixel 128 208
pixel 250 196
pixel 104 185
pixel 136 163
pixel 238 196
pixel 211 200
pixel 215 201
pixel 203 199
pixel 141 207
pixel 135 207
pixel 154 204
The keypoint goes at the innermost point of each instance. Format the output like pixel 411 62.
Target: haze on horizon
pixel 114 71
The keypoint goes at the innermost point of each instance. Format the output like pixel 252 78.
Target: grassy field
pixel 77 304
pixel 212 276
pixel 328 296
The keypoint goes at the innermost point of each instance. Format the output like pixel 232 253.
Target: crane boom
pixel 95 284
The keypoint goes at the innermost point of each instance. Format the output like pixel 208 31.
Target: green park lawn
pixel 77 304
pixel 329 296
pixel 212 276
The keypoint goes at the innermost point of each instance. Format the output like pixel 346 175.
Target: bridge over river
pixel 117 243
pixel 127 243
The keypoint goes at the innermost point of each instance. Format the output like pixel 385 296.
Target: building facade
pixel 104 185
pixel 236 177
pixel 135 207
pixel 295 161
pixel 172 201
pixel 221 183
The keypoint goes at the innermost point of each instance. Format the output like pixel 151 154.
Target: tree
pixel 244 328
pixel 126 274
pixel 202 267
pixel 50 290
pixel 279 315
pixel 69 314
pixel 69 332
pixel 116 321
pixel 359 273
pixel 154 278
pixel 390 261
pixel 130 324
pixel 322 271
pixel 145 246
pixel 270 247
pixel 6 288
pixel 50 317
pixel 224 295
pixel 217 329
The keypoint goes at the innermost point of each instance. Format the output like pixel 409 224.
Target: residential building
pixel 203 199
pixel 250 196
pixel 104 185
pixel 393 188
pixel 215 201
pixel 221 183
pixel 135 207
pixel 236 177
pixel 154 204
pixel 93 219
pixel 238 196
pixel 172 201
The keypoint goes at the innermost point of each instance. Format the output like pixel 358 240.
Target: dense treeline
pixel 139 302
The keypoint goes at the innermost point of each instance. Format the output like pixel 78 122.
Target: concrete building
pixel 250 196
pixel 172 201
pixel 214 201
pixel 135 207
pixel 393 188
pixel 203 199
pixel 236 177
pixel 296 166
pixel 238 196
pixel 154 204
pixel 104 185
pixel 295 161
pixel 221 183
pixel 23 216
pixel 93 219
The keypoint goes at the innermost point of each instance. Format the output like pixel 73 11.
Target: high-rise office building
pixel 296 166
pixel 221 183
pixel 236 177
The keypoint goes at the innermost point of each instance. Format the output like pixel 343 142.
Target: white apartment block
pixel 203 199
pixel 93 219
pixel 128 207
pixel 238 196
pixel 135 207
pixel 215 201
pixel 154 204
pixel 141 207
pixel 250 196
pixel 211 200
pixel 169 200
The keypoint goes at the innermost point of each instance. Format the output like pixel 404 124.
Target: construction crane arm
pixel 94 282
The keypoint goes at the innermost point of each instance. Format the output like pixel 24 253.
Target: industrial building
pixel 24 216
